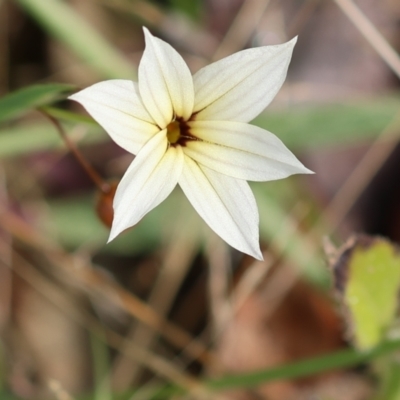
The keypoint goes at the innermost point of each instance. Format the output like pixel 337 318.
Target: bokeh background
pixel 168 303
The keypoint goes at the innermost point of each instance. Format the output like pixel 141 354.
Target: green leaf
pixel 63 23
pixel 20 101
pixel 69 116
pixel 367 274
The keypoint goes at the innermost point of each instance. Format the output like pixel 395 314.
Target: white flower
pixel 193 131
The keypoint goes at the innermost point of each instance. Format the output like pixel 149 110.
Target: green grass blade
pixel 339 360
pixel 64 24
pixel 20 101
pixel 101 368
pixel 69 116
pixel 389 378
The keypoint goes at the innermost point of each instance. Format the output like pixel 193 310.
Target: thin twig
pixel 373 36
pixel 176 261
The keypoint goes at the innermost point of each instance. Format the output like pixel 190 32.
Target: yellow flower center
pixel 173 132
pixel 178 133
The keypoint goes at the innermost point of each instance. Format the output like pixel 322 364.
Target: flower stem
pixel 103 186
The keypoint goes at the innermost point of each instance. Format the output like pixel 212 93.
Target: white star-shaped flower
pixel 194 131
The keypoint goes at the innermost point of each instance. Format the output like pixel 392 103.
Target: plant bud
pixel 104 204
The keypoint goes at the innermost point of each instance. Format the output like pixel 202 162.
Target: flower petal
pixel 239 87
pixel 165 82
pixel 227 205
pixel 242 151
pixel 117 107
pixel 150 178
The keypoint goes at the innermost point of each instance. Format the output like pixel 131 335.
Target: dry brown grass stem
pixel 373 36
pixel 282 279
pixel 335 212
pixel 176 27
pixel 5 257
pixel 219 283
pixel 177 260
pixel 59 392
pixel 77 270
pixel 144 10
pixel 50 290
pixel 362 174
pixel 4 48
pixel 302 17
pixel 242 28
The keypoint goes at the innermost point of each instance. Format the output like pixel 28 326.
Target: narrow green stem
pixel 341 359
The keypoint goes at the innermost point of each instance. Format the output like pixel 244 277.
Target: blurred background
pixel 168 303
